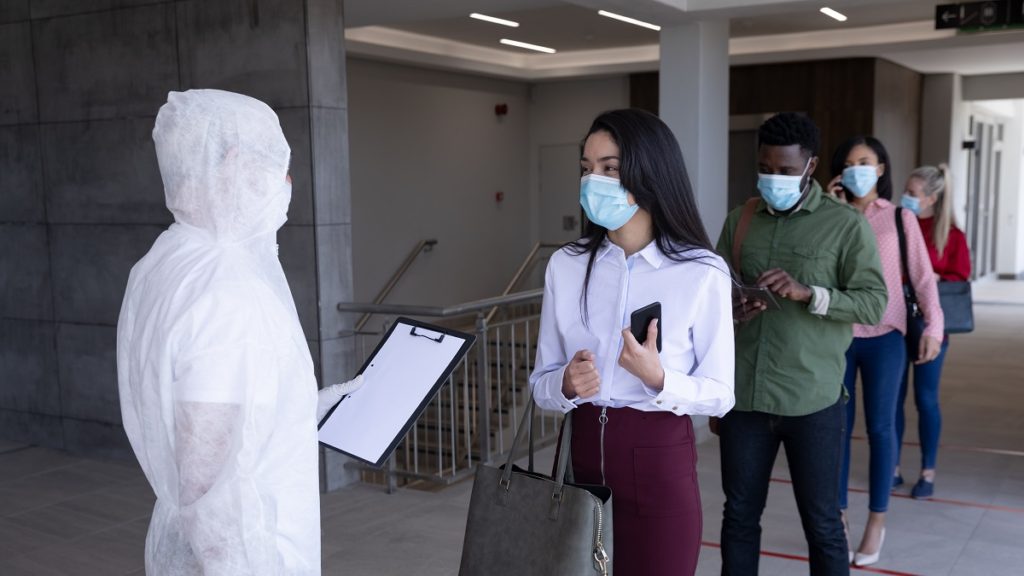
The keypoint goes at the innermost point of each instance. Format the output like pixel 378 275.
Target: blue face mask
pixel 781 192
pixel 911 203
pixel 605 202
pixel 860 180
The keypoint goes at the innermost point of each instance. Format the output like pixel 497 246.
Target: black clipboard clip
pixel 437 339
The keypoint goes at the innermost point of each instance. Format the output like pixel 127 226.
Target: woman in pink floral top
pixel 862 179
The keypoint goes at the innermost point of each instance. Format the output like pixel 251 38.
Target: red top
pixel 955 263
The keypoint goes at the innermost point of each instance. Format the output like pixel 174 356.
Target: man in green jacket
pixel 819 260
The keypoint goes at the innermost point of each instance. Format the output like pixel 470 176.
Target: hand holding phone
pixel 638 357
pixel 640 322
pixel 754 293
pixel 836 189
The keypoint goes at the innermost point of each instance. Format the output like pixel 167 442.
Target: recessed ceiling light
pixel 833 14
pixel 629 20
pixel 519 44
pixel 494 20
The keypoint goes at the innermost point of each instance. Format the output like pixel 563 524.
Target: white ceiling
pixel 439 33
pixel 565 27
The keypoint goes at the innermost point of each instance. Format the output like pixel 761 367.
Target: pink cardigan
pixel 881 214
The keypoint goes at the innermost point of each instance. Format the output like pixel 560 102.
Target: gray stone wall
pixel 80 193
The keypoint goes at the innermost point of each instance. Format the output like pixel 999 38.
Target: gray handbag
pixel 522 523
pixel 955 298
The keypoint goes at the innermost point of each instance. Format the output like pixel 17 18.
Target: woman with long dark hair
pixel 929 196
pixel 862 177
pixel 643 243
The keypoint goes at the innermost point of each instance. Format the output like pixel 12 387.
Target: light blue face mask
pixel 781 192
pixel 911 203
pixel 860 180
pixel 605 201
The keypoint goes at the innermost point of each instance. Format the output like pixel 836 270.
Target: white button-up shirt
pixel 696 329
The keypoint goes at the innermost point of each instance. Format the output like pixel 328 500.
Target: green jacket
pixel 791 362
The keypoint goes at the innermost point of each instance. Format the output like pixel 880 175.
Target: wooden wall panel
pixel 844 97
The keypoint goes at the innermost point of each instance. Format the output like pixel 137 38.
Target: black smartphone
pixel 640 321
pixel 760 294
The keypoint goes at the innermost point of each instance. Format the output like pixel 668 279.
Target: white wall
pixel 561 113
pixel 428 155
pixel 1018 270
pixel 1010 226
pixel 993 86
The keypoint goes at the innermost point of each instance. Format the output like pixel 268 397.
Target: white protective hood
pixel 217 388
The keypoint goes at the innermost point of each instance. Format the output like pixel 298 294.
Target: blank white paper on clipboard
pixel 399 380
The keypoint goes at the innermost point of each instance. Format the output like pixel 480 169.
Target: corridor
pixel 61 514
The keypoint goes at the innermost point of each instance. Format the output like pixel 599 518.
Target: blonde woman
pixel 929 196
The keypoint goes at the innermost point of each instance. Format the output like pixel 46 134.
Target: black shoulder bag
pixel 915 319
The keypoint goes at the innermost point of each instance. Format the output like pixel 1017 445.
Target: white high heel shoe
pixel 846 536
pixel 869 559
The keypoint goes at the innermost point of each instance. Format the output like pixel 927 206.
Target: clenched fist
pixel 581 378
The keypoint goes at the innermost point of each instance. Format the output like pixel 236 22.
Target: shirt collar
pixel 878 204
pixel 650 253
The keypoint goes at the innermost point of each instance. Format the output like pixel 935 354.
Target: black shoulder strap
pixel 908 286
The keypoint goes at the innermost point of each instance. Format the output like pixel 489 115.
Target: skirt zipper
pixel 603 419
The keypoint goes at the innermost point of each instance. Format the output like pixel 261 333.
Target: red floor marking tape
pixel 963 503
pixel 998 451
pixel 805 559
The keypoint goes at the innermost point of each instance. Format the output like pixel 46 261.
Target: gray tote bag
pixel 522 523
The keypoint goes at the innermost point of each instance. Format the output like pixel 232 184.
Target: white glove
pixel 328 397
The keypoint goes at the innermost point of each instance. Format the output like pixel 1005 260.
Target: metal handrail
pixel 480 307
pixel 423 246
pixel 442 311
pixel 518 276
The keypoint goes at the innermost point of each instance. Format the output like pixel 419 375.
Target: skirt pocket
pixel 666 480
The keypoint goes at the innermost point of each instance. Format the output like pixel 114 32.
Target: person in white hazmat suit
pixel 217 389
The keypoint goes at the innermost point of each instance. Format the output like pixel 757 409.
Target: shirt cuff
pixel 557 398
pixel 937 334
pixel 820 301
pixel 672 397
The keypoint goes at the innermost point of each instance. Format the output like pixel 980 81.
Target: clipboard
pixel 400 378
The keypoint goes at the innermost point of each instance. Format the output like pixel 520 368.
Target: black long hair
pixel 651 167
pixel 884 185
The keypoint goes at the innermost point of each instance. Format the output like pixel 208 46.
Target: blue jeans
pixel 926 397
pixel 749 443
pixel 882 361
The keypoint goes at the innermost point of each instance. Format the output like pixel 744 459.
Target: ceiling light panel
pixel 527 46
pixel 833 14
pixel 629 20
pixel 494 20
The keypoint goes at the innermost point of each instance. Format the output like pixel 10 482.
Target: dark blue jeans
pixel 882 361
pixel 926 398
pixel 749 443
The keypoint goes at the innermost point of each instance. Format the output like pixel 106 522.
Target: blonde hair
pixel 937 181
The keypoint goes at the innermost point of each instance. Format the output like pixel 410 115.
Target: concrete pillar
pixel 332 205
pixel 944 126
pixel 82 197
pixel 693 99
pixel 694 102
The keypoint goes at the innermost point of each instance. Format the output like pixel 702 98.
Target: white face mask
pixel 605 201
pixel 860 180
pixel 781 192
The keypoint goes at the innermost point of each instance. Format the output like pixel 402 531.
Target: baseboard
pixel 1017 276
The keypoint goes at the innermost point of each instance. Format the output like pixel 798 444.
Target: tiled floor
pixel 65 515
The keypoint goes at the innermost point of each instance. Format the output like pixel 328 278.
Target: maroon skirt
pixel 650 463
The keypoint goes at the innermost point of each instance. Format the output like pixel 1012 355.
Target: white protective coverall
pixel 217 388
